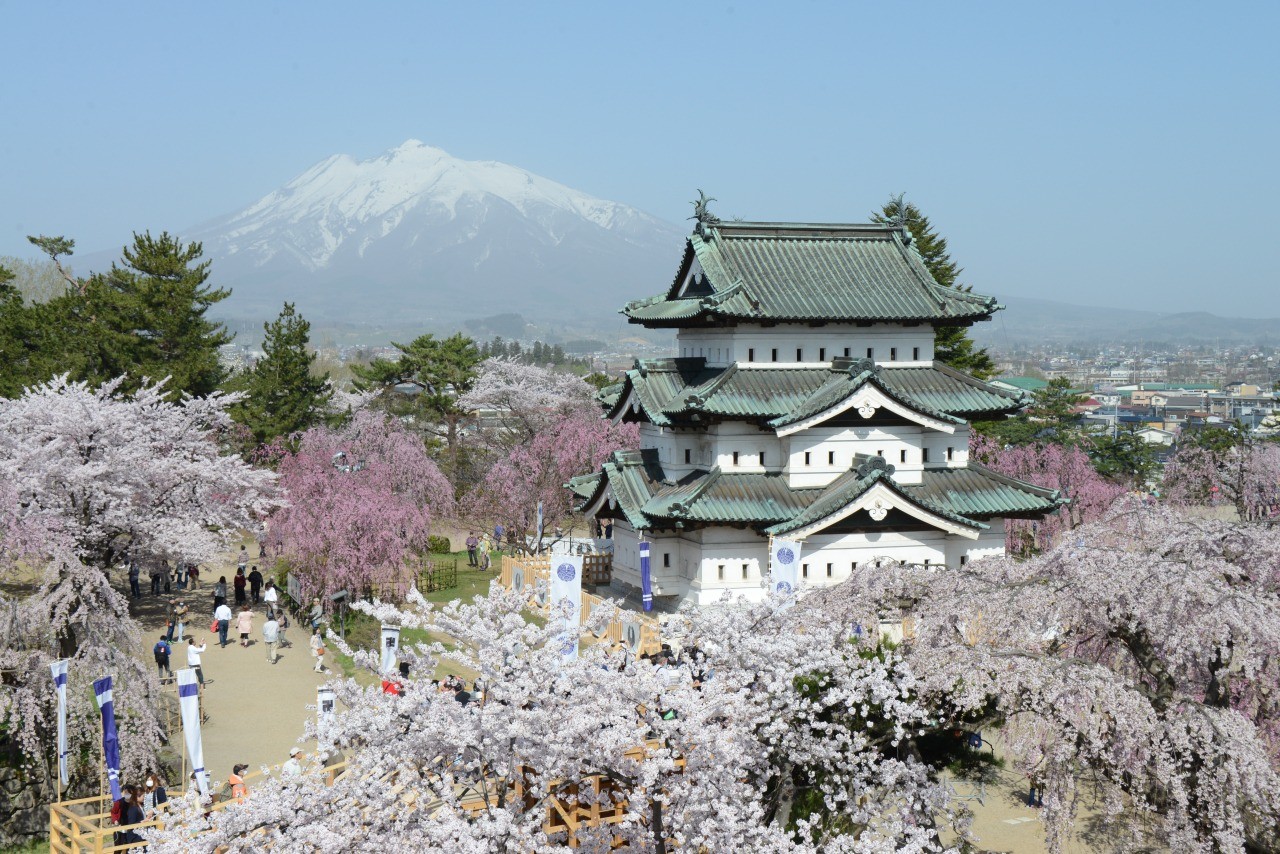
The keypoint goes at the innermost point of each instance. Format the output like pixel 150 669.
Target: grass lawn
pixel 39 847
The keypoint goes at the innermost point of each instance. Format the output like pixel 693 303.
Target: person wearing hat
pixel 292 769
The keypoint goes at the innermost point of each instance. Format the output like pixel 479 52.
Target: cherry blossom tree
pixel 1237 471
pixel 87 474
pixel 1056 467
pixel 525 399
pixel 136 472
pixel 694 755
pixel 1140 655
pixel 535 472
pixel 361 499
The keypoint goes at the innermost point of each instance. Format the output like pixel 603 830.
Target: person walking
pixel 255 584
pixel 317 649
pixel 194 652
pixel 271 636
pixel 223 615
pixel 244 624
pixel 498 531
pixel 242 560
pixel 484 553
pixel 166 573
pixel 271 596
pixel 282 618
pixel 193 575
pixel 135 588
pixel 171 624
pixel 220 590
pixel 239 583
pixel 473 543
pixel 161 651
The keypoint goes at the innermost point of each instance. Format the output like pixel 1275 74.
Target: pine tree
pixel 952 344
pixel 285 396
pixel 163 295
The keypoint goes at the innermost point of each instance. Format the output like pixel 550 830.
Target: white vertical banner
pixel 59 671
pixel 326 705
pixel 189 704
pixel 784 567
pixel 390 647
pixel 565 607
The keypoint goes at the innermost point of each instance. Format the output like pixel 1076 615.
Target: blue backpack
pixel 161 650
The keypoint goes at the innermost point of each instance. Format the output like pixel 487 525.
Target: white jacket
pixel 193 654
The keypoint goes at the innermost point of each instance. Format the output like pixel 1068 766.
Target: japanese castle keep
pixel 804 403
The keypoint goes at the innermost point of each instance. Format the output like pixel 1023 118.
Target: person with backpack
pixel 161 651
pixel 255 584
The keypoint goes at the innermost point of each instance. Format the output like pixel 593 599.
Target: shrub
pixel 438 545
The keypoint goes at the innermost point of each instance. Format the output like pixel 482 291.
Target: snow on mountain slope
pixel 342 206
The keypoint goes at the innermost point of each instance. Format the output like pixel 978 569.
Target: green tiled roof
pixel 765 271
pixel 978 492
pixel 648 499
pixel 672 391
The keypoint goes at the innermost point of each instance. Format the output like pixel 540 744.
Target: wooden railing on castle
pixel 634 630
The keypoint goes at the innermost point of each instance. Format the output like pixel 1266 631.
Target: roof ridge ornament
pixel 702 214
pixel 873 465
pixel 900 217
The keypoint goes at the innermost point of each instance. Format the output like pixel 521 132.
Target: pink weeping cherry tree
pixel 535 472
pixel 361 500
pixel 1243 474
pixel 1055 467
pixel 1137 661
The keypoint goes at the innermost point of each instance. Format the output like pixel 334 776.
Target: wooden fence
pixel 427 574
pixel 83 826
pixel 637 632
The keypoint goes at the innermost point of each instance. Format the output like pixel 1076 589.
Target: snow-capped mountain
pixel 418 231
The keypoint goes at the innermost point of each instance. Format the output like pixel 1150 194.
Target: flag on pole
pixel 59 671
pixel 326 705
pixel 189 705
pixel 646 579
pixel 784 567
pixel 566 601
pixel 110 740
pixel 537 532
pixel 390 646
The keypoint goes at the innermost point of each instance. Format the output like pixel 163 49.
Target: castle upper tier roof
pixel 769 272
pixel 684 390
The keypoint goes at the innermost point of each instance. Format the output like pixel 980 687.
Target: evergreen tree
pixel 952 344
pixel 285 396
pixel 162 286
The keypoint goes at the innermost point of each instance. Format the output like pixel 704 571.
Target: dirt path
pixel 256 710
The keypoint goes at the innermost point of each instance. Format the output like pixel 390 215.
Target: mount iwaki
pixel 416 235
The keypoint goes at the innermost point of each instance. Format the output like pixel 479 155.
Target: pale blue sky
pixel 1119 154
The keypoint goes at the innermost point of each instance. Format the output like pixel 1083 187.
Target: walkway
pixel 256 710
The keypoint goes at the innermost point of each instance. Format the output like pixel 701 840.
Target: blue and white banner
pixel 326 706
pixel 59 671
pixel 565 607
pixel 110 740
pixel 784 567
pixel 646 578
pixel 537 532
pixel 390 648
pixel 189 704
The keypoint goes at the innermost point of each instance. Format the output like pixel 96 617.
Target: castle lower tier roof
pixel 772 272
pixel 637 486
pixel 669 392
